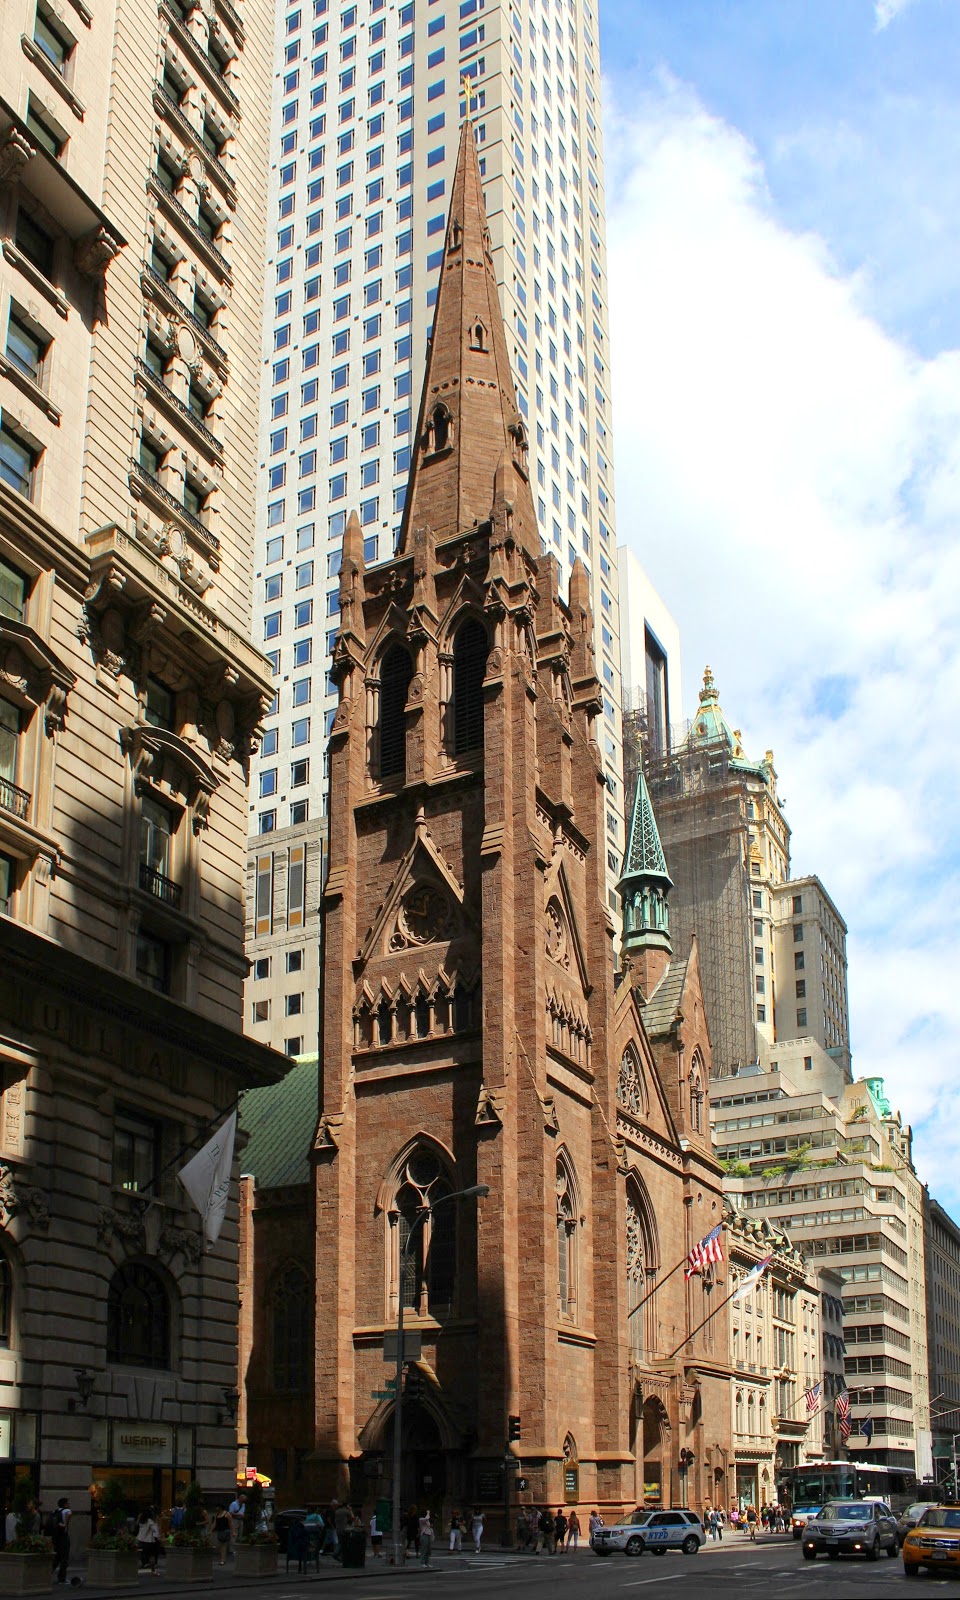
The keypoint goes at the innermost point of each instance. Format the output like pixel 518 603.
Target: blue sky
pixel 783 196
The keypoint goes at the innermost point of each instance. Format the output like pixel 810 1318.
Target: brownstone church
pixel 475 1031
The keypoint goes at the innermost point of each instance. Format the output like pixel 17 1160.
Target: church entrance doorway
pixel 423 1474
pixel 655 1429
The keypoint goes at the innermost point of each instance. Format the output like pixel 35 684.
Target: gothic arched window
pixel 631 1092
pixel 636 1274
pixel 292 1331
pixel 428 1268
pixel 566 1239
pixel 470 651
pixel 696 1093
pixel 395 673
pixel 138 1318
pixel 439 429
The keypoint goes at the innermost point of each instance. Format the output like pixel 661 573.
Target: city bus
pixel 808 1488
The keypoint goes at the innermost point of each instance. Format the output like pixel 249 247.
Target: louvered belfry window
pixel 395 675
pixel 470 651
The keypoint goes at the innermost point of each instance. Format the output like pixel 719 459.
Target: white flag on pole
pixel 752 1277
pixel 206 1178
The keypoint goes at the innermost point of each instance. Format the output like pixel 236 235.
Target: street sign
pixel 411 1347
pixel 382 1394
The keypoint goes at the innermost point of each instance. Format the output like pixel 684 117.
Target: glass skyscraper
pixel 368 103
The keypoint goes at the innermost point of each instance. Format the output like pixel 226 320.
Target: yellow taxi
pixel 934 1542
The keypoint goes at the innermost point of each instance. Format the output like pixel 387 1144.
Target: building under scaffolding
pixel 726 843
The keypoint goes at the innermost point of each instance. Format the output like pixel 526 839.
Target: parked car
pixel 656 1531
pixel 934 1542
pixel 852 1527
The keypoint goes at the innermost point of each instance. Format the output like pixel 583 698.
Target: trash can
pixel 353 1547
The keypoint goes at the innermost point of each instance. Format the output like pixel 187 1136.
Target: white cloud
pixel 790 475
pixel 885 11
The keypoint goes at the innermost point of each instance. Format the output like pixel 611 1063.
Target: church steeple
pixel 470 449
pixel 643 887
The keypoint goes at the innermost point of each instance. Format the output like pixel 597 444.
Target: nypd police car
pixel 656 1531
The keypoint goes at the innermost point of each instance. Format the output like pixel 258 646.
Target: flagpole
pixel 702 1324
pixel 658 1285
pixel 661 1281
pixel 737 1290
pixel 203 1134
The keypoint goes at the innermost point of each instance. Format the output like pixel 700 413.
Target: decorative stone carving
pixel 94 252
pixel 9 1199
pixel 163 760
pixel 490 1107
pixel 15 151
pixel 185 1240
pixel 34 674
pixel 557 937
pixel 630 1085
pixel 121 1225
pixel 424 917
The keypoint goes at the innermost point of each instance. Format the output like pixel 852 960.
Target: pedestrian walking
pixel 412 1530
pixel 522 1529
pixel 573 1530
pixel 376 1537
pixel 456 1531
pixel 559 1529
pixel 59 1530
pixel 545 1539
pixel 476 1529
pixel 426 1538
pixel 752 1523
pixel 221 1533
pixel 237 1510
pixel 148 1540
pixel 533 1524
pixel 596 1521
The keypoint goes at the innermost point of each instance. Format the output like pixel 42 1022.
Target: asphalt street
pixel 732 1569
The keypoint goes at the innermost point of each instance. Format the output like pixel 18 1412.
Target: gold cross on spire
pixel 466 91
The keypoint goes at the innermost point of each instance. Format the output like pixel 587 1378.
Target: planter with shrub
pixel 114 1555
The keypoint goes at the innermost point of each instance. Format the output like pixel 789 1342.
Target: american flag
pixel 704 1253
pixel 812 1398
pixel 843 1416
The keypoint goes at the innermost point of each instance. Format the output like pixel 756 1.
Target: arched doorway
pixel 654 1440
pixel 423 1474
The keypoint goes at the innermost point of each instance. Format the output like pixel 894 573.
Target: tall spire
pixel 471 443
pixel 645 882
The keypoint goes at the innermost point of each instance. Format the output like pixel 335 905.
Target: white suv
pixel 656 1531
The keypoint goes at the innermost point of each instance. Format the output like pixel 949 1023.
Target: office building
pixel 650 661
pixel 942 1254
pixel 773 948
pixel 133 165
pixel 834 1167
pixel 368 101
pixel 808 975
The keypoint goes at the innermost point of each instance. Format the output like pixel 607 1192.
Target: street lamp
pixel 478 1189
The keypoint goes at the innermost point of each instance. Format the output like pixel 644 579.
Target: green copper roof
pixel 644 857
pixel 280 1121
pixel 710 726
pixel 877 1093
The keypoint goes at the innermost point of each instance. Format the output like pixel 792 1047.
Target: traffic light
pixel 413 1388
pixel 513 1432
pixel 687 1459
